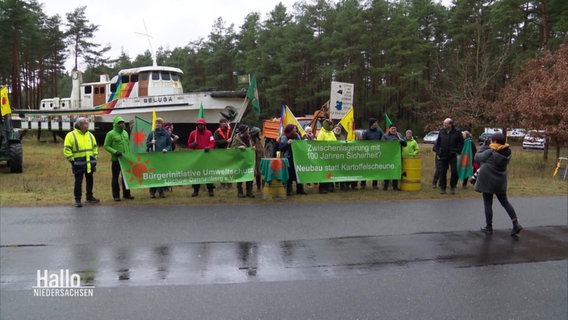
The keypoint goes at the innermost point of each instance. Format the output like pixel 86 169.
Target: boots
pixel 240 193
pixel 487 230
pixel 289 188
pixel 258 183
pixel 516 228
pixel 300 188
pixel 249 189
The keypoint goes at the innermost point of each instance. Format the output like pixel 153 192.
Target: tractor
pixel 10 143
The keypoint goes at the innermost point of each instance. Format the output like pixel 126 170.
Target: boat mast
pixel 148 36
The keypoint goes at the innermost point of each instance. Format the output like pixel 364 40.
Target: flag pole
pixel 240 116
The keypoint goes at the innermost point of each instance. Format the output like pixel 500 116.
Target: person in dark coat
pixel 492 180
pixel 284 145
pixel 158 140
pixel 242 140
pixel 373 133
pixel 447 147
pixel 393 135
pixel 222 137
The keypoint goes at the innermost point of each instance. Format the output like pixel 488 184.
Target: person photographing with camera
pixel 492 180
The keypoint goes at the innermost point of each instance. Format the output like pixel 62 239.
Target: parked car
pixel 535 139
pixel 486 136
pixel 431 137
pixel 516 133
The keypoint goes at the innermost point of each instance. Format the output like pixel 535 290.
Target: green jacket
pixel 411 149
pixel 117 140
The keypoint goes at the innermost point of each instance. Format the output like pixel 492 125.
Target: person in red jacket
pixel 201 139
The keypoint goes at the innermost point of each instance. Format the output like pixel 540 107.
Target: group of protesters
pixel 453 149
pixel 331 132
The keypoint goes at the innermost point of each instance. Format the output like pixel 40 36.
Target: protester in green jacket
pixel 411 149
pixel 117 143
pixel 80 149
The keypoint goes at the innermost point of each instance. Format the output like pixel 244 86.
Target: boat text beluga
pixel 134 92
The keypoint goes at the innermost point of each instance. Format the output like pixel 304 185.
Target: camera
pixel 474 177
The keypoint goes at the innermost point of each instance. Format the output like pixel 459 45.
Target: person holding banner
pixel 201 139
pixel 373 133
pixel 393 135
pixel 259 154
pixel 326 134
pixel 242 140
pixel 284 145
pixel 117 143
pixel 222 137
pixel 170 129
pixel 309 134
pixel 158 140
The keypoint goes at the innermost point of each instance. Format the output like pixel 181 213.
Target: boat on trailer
pixel 134 92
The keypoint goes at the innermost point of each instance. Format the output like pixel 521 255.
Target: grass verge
pixel 47 181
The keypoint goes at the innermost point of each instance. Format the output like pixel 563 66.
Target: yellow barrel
pixel 274 190
pixel 411 174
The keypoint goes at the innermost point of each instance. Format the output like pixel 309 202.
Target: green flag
pixel 465 160
pixel 252 95
pixel 388 121
pixel 140 131
pixel 200 114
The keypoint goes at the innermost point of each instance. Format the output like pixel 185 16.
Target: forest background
pixel 500 63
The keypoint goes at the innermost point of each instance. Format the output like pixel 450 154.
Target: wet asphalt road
pixel 370 260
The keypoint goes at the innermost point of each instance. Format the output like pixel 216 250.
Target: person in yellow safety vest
pixel 326 134
pixel 80 149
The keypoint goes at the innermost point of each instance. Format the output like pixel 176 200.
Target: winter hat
pixel 168 126
pixel 327 124
pixel 289 128
pixel 242 128
pixel 255 130
pixel 371 121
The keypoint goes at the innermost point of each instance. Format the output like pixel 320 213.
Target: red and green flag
pixel 138 134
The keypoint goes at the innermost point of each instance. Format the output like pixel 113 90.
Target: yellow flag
pixel 153 119
pixel 348 124
pixel 289 118
pixel 5 107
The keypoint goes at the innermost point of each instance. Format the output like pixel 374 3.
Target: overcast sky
pixel 171 23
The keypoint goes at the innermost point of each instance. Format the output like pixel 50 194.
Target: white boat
pixel 134 92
